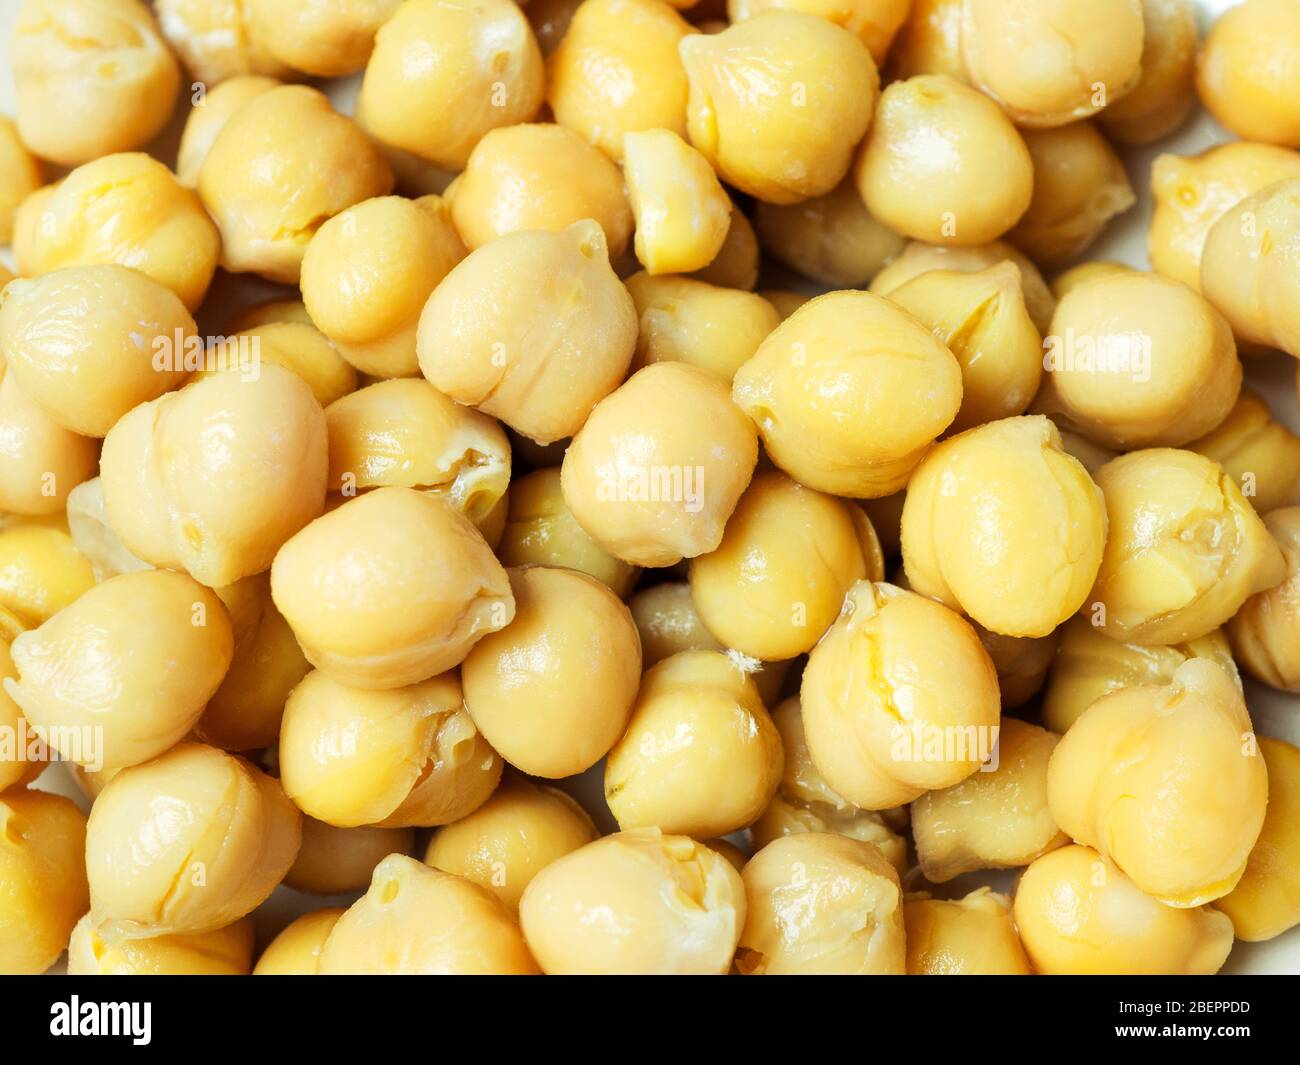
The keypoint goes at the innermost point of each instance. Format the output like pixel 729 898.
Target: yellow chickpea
pixel 41 571
pixel 215 40
pixel 299 347
pixel 23 755
pixel 325 39
pixel 396 758
pixel 682 212
pixel 1021 663
pixel 269 312
pixel 1260 454
pixel 225 951
pixel 874 21
pixel 21 176
pixel 40 461
pixel 297 949
pixel 736 264
pixel 208 119
pixel 1185 549
pixel 27 221
pixel 1247 73
pixel 334 860
pixel 1264 631
pixel 92 536
pixel 668 623
pixel 1166 88
pixel 779 102
pixel 929 42
pixel 1066 282
pixel 971 936
pixel 785 301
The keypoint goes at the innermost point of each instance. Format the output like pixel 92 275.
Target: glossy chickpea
pixel 277 171
pixel 511 838
pixel 1084 58
pixel 21 176
pixel 24 756
pixel 875 22
pixel 215 41
pixel 534 329
pixel 1021 663
pixel 929 41
pixel 736 264
pixel 1185 549
pixel 92 77
pixel 224 951
pixel 1079 915
pixel 681 211
pixel 971 936
pixel 943 164
pixel 391 588
pixel 396 758
pixel 1081 274
pixel 1247 73
pixel 668 622
pixel 92 536
pixel 821 904
pixel 676 906
pixel 299 347
pixel 27 220
pixel 1260 454
pixel 1265 632
pixel 41 571
pixel 1166 89
pixel 326 39
pixel 794 139
pixel 206 121
pixel 40 461
pixel 270 312
pixel 297 949
pixel 335 860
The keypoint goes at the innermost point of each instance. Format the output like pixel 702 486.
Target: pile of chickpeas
pixel 380 468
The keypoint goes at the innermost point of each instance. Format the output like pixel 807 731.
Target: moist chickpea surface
pixel 297 346
pixel 40 461
pixel 21 763
pixel 1163 96
pixel 874 21
pixel 929 41
pixel 1265 632
pixel 214 39
pixel 296 950
pixel 21 176
pixel 323 39
pixel 1260 454
pixel 205 123
pixel 737 262
pixel 975 935
pixel 1249 72
pixel 222 952
pixel 41 570
pixel 334 860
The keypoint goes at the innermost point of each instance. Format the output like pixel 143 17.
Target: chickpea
pixel 1263 632
pixel 982 319
pixel 23 756
pixel 1247 72
pixel 1260 454
pixel 821 904
pixel 299 347
pixel 691 321
pixel 92 77
pixel 971 936
pixel 27 220
pixel 929 41
pixel 1021 663
pixel 1079 915
pixel 123 673
pixel 41 571
pixel 92 536
pixel 1089 665
pixel 297 949
pixel 479 70
pixel 325 39
pixel 792 139
pixel 874 21
pixel 391 588
pixel 256 318
pixel 552 691
pixel 40 461
pixel 943 164
pixel 222 952
pixel 43 868
pixel 88 343
pixel 396 758
pixel 895 389
pixel 785 301
pixel 832 239
pixel 1136 360
pixel 736 264
pixel 187 843
pixel 1185 549
pixel 1076 276
pixel 635 902
pixel 215 40
pixel 668 623
pixel 21 176
pixel 682 213
pixel 512 837
pixel 1002 524
pixel 277 171
pixel 418 921
pixel 334 860
pixel 1266 900
pixel 206 121
pixel 1081 58
pixel 1166 89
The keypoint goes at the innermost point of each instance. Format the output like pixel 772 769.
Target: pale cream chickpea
pixel 24 756
pixel 368 272
pixel 1002 524
pixel 224 951
pixel 686 320
pixel 658 468
pixel 1079 915
pixel 1192 193
pixel 942 163
pixel 831 239
pixel 92 536
pixel 335 860
pixel 899 698
pixel 700 756
pixel 804 802
pixel 777 581
pixel 1161 100
pixel 1262 455
pixel 1184 549
pixel 616 71
pixel 1050 62
pixel 254 318
pixel 512 837
pixel 1079 184
pixel 778 102
pixel 324 38
pixel 41 570
pixel 27 219
pixel 88 343
pixel 874 21
pixel 785 301
pixel 1266 901
pixel 277 171
pixel 396 758
pixel 552 691
pixel 40 461
pixel 539 177
pixel 1021 662
pixel 982 318
pixel 479 69
pixel 682 212
pixel 971 936
pixel 929 42
pixel 737 262
pixel 1089 665
pixel 124 672
pixel 215 41
pixel 186 843
pixel 1136 360
pixel 1247 76
pixel 297 346
pixel 207 119
pixel 390 588
pixel 821 905
pixel 1180 811
pixel 405 433
pixel 534 328
pixel 220 511
pixel 1066 282
pixel 1248 270
pixel 43 868
pixel 92 77
pixel 297 949
pixel 848 394
pixel 638 902
pixel 541 530
pixel 1265 632
pixel 415 920
pixel 994 819
pixel 21 176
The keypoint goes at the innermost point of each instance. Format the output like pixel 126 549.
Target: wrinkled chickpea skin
pixel 975 935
